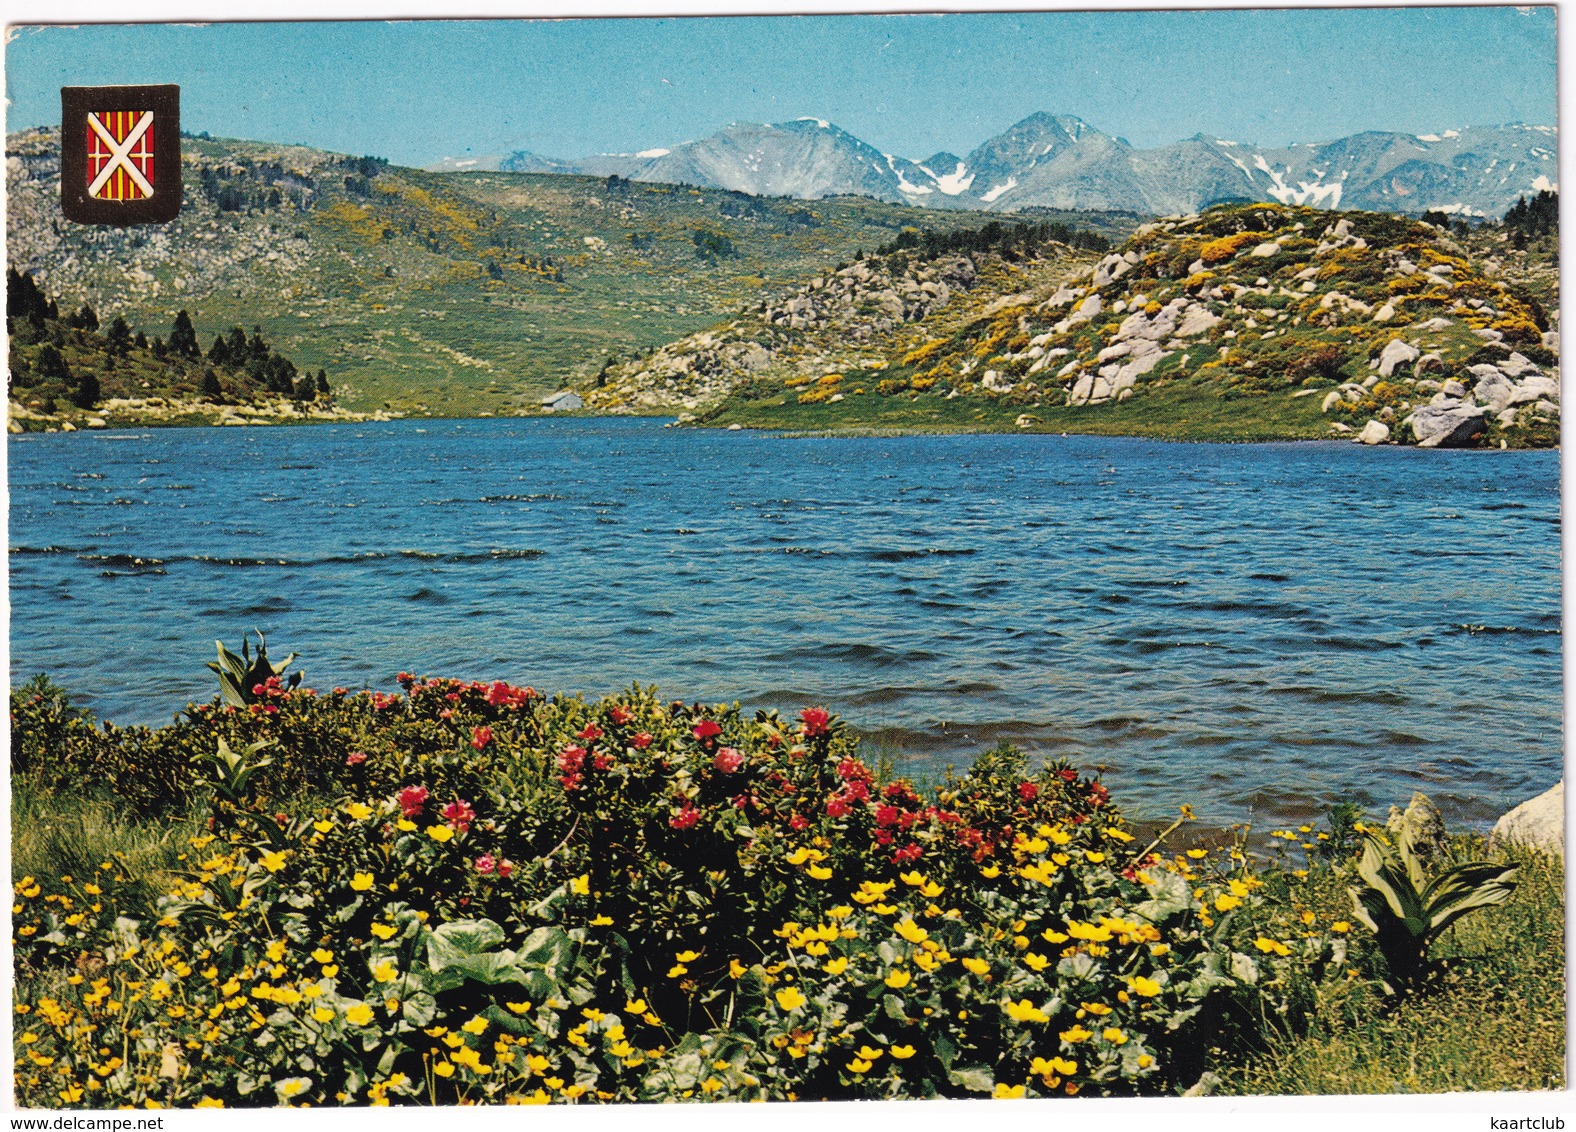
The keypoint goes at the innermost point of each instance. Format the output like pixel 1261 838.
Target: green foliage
pixel 1406 912
pixel 513 897
pixel 246 679
pixel 44 724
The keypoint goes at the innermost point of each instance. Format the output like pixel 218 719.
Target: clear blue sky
pixel 910 85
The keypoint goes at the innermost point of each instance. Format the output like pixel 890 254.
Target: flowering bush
pixel 513 898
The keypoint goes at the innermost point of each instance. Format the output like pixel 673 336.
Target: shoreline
pixel 778 431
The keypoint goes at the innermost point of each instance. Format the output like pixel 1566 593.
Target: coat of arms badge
pixel 120 160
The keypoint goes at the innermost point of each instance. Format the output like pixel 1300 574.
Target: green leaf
pixel 975 1079
pixel 946 1050
pixel 1170 895
pixel 460 939
pixel 1385 875
pixel 419 1009
pixel 545 947
pixel 1244 969
pixel 892 1007
pixel 1464 888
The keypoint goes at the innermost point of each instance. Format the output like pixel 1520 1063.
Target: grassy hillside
pixel 1246 322
pixel 449 294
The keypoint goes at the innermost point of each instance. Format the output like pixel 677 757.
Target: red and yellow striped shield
pixel 120 154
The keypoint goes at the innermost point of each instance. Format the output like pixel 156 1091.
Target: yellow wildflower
pixel 1025 1011
pixel 361 882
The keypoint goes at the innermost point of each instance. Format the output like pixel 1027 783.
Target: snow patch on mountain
pixel 1543 185
pixel 1011 183
pixel 654 153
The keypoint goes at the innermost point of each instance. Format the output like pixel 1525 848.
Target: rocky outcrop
pixel 871 297
pixel 1538 823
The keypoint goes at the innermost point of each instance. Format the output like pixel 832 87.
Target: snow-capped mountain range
pixel 1059 161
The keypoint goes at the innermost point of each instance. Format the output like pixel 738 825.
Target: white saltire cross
pixel 119 154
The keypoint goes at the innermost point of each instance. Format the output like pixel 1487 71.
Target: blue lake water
pixel 1259 629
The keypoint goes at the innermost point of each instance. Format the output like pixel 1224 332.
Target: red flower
pixel 602 762
pixel 684 819
pixel 405 679
pixel 1027 791
pixel 505 867
pixel 641 741
pixel 1068 775
pixel 570 781
pixel 728 760
pixel 798 822
pixel 356 758
pixel 816 721
pixel 485 864
pixel 909 852
pixel 459 815
pixel 412 799
pixel 1099 793
pixel 707 729
pixel 837 807
pixel 887 815
pixel 571 758
pixel 480 737
pixel 620 715
pixel 591 733
pixel 858 790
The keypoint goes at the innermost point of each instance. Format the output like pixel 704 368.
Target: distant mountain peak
pixel 1061 161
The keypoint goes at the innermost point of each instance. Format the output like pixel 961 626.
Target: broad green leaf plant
pixel 1407 912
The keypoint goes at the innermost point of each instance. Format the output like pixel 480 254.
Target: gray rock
pixel 1265 250
pixel 1453 388
pixel 1538 823
pixel 1493 390
pixel 1331 399
pixel 1373 433
pixel 1518 364
pixel 1087 309
pixel 1448 425
pixel 1395 353
pixel 1535 388
pixel 1426 364
pixel 1196 321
